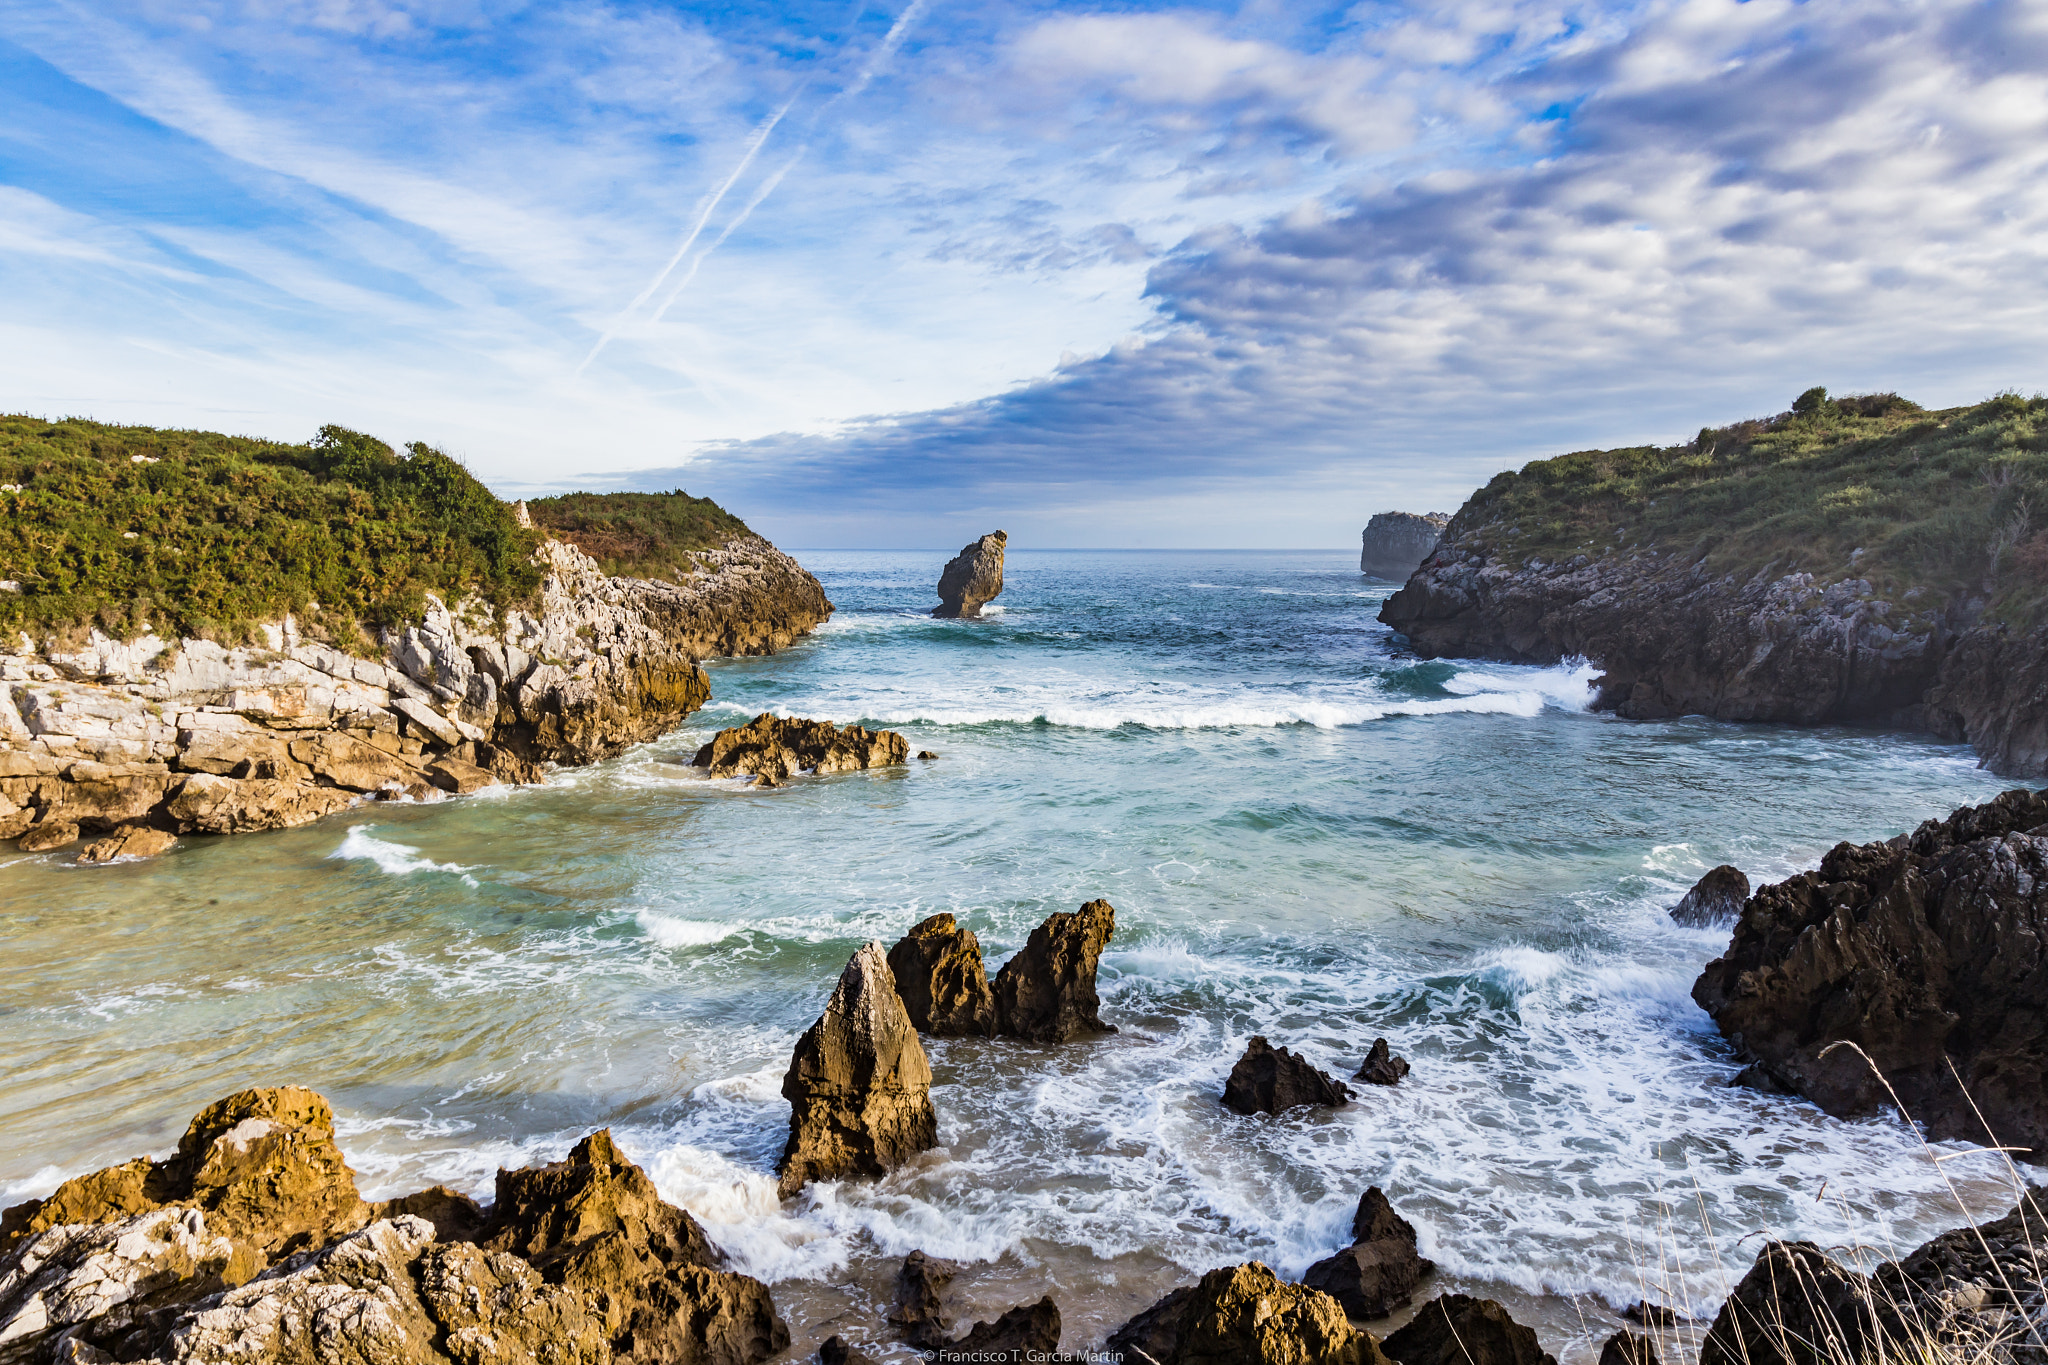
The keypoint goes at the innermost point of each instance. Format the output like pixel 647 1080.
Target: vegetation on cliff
pixel 1870 487
pixel 638 535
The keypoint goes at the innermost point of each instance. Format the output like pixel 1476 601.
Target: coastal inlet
pixel 1308 836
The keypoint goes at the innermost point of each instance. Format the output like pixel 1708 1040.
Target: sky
pixel 885 274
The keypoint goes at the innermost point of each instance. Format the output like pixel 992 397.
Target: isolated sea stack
pixel 1046 993
pixel 1394 543
pixel 972 577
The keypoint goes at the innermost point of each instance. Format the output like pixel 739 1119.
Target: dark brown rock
pixel 837 1350
pixel 920 1310
pixel 1652 1314
pixel 1457 1329
pixel 1377 1274
pixel 1381 1066
pixel 1927 948
pixel 1026 1332
pixel 938 972
pixel 456 1217
pixel 1245 1315
pixel 1046 993
pixel 775 749
pixel 1715 899
pixel 1630 1348
pixel 859 1084
pixel 925 755
pixel 48 834
pixel 972 577
pixel 1794 1307
pixel 1268 1080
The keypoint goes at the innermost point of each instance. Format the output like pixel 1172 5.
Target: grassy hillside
pixel 642 535
pixel 1868 487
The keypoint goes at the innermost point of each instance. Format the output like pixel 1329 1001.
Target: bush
pixel 641 535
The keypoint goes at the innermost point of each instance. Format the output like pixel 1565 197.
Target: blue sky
pixel 877 274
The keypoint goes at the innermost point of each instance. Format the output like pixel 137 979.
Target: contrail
pixel 746 212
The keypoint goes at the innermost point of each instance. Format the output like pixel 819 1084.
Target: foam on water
pixel 395 860
pixel 671 932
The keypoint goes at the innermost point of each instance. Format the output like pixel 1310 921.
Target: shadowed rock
pixel 1381 1066
pixel 939 974
pixel 1026 1332
pixel 775 749
pixel 1457 1329
pixel 1630 1348
pixel 1268 1080
pixel 1394 543
pixel 1714 899
pixel 1378 1272
pixel 858 1084
pixel 1245 1315
pixel 837 1350
pixel 920 1311
pixel 972 577
pixel 1046 993
pixel 1651 1314
pixel 1796 1306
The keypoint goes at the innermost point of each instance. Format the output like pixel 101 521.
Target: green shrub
pixel 642 535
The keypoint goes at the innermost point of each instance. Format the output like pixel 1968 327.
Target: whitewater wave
pixel 392 859
pixel 668 931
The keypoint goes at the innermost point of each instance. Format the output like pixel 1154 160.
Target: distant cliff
pixel 1854 561
pixel 1393 543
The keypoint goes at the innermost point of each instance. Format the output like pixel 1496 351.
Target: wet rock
pixel 919 1312
pixel 775 749
pixel 1381 1066
pixel 939 974
pixel 1630 1348
pixel 837 1350
pixel 1457 1329
pixel 1268 1080
pixel 925 755
pixel 1920 950
pixel 1966 1287
pixel 1046 993
pixel 1245 1315
pixel 1393 543
pixel 972 577
pixel 858 1084
pixel 1026 1332
pixel 1794 1307
pixel 47 835
pixel 130 841
pixel 1379 1271
pixel 1652 1314
pixel 1714 899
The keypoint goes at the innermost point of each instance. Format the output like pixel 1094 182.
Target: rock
pixel 1457 1329
pixel 1919 950
pixel 938 973
pixel 774 749
pixel 1980 1284
pixel 1381 1066
pixel 920 1311
pixel 837 1350
pixel 48 835
pixel 456 1217
pixel 102 1281
pixel 208 804
pixel 454 776
pixel 858 1084
pixel 925 755
pixel 1245 1315
pixel 1268 1080
pixel 1378 1272
pixel 1393 543
pixel 1630 1348
pixel 1027 1332
pixel 972 577
pixel 1652 1314
pixel 350 762
pixel 1715 899
pixel 1794 1307
pixel 131 841
pixel 1046 993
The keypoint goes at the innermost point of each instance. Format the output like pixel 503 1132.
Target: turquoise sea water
pixel 1305 834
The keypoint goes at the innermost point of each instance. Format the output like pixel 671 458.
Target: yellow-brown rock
pixel 1047 992
pixel 775 749
pixel 1245 1315
pixel 943 984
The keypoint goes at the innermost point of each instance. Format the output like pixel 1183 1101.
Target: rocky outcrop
pixel 1245 1315
pixel 1714 899
pixel 192 737
pixel 1046 993
pixel 1630 1348
pixel 1381 1066
pixel 920 1310
pixel 859 1085
pixel 1027 1332
pixel 1378 1272
pixel 940 976
pixel 972 578
pixel 1457 1329
pixel 774 749
pixel 1393 543
pixel 1927 948
pixel 837 1350
pixel 1270 1080
pixel 1794 1307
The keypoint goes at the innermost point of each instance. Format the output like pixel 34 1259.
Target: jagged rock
pixel 1652 1314
pixel 1378 1272
pixel 208 804
pixel 349 762
pixel 775 749
pixel 972 577
pixel 920 1311
pixel 457 778
pixel 47 835
pixel 925 755
pixel 456 1217
pixel 1715 899
pixel 938 972
pixel 1393 543
pixel 1457 1329
pixel 1794 1307
pixel 1919 950
pixel 837 1350
pixel 131 841
pixel 859 1084
pixel 1245 1315
pixel 102 1282
pixel 1046 993
pixel 1969 1286
pixel 1630 1348
pixel 1268 1080
pixel 1381 1066
pixel 1026 1332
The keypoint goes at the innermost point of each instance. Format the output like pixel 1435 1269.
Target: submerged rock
pixel 1381 1066
pixel 775 749
pixel 1046 993
pixel 1457 1329
pixel 1393 544
pixel 1245 1315
pixel 1715 899
pixel 939 975
pixel 1268 1080
pixel 859 1084
pixel 972 577
pixel 920 1311
pixel 1378 1272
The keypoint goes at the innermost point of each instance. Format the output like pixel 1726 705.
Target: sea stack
pixel 1046 993
pixel 1394 544
pixel 972 577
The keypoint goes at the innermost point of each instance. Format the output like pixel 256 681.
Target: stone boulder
pixel 210 804
pixel 1245 1315
pixel 1920 950
pixel 104 1282
pixel 1457 1329
pixel 47 835
pixel 859 1084
pixel 774 749
pixel 1630 1348
pixel 1714 899
pixel 1268 1080
pixel 1796 1306
pixel 920 1310
pixel 1381 1066
pixel 1046 993
pixel 1393 544
pixel 837 1350
pixel 1378 1272
pixel 939 975
pixel 1027 1332
pixel 130 841
pixel 972 578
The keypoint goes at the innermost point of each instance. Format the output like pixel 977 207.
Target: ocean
pixel 1306 834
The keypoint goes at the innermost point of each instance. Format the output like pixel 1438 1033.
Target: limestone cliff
pixel 1393 543
pixel 188 736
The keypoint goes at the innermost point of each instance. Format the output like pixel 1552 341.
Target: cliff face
pixel 1393 543
pixel 188 737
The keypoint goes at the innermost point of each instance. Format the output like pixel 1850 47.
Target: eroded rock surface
pixel 1379 1271
pixel 1457 1329
pixel 1245 1315
pixel 1630 1348
pixel 1269 1080
pixel 940 976
pixel 972 578
pixel 920 1310
pixel 859 1084
pixel 1714 899
pixel 1381 1066
pixel 775 749
pixel 1796 1306
pixel 1026 1332
pixel 1393 543
pixel 1046 993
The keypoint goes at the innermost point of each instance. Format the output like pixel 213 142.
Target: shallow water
pixel 1305 835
